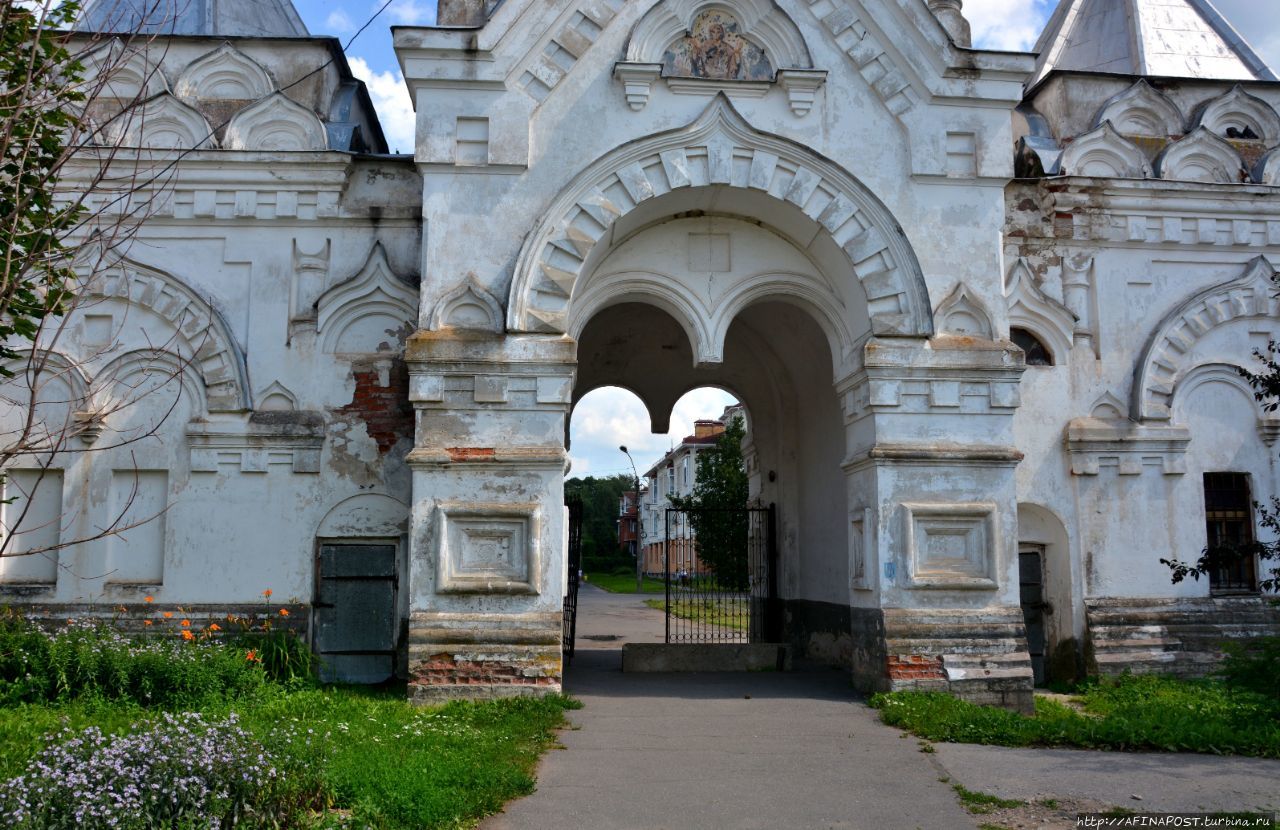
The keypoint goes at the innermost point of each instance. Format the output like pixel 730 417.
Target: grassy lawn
pixel 1126 713
pixel 231 742
pixel 625 583
pixel 721 612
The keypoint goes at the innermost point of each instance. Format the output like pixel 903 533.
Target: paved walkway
pixel 797 750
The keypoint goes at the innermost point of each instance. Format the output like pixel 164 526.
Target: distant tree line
pixel 601 497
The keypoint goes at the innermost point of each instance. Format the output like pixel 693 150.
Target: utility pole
pixel 636 480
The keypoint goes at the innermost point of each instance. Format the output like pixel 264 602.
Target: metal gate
pixel 575 569
pixel 355 613
pixel 722 575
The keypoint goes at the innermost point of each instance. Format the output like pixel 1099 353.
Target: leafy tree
pixel 1266 388
pixel 600 496
pixel 716 508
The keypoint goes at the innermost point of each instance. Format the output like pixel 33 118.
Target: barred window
pixel 1228 511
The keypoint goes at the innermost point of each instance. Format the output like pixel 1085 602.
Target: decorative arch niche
pixel 1163 361
pixel 1201 157
pixel 1141 110
pixel 368 314
pixel 1104 153
pixel 276 123
pixel 700 47
pixel 963 314
pixel 468 306
pixel 225 74
pixel 719 149
pixel 1245 115
pixel 116 71
pixel 161 123
pixel 203 338
pixel 1031 309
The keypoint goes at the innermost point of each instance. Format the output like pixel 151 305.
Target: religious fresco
pixel 715 49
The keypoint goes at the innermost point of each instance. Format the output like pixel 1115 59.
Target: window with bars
pixel 1228 511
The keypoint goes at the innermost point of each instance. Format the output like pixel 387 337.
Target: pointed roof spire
pixel 216 18
pixel 1170 38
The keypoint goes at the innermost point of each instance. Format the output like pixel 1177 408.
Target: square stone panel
pixel 951 546
pixel 487 548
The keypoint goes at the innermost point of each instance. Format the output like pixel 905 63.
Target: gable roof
pixel 219 18
pixel 1164 38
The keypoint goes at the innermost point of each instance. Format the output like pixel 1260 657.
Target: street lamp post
pixel 639 554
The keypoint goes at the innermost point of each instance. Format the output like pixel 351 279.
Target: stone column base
pixel 483 656
pixel 980 656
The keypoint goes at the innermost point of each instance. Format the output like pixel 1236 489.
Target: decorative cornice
pixel 1094 444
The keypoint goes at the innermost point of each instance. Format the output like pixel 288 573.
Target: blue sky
pixel 609 417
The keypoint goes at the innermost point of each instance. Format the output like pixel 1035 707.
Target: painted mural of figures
pixel 715 49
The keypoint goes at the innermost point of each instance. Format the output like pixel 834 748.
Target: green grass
pixel 982 803
pixel 1127 713
pixel 372 756
pixel 625 583
pixel 720 612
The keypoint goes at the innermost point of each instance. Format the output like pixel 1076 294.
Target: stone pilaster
pixel 486 570
pixel 932 498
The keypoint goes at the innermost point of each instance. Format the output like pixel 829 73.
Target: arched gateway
pixel 717 253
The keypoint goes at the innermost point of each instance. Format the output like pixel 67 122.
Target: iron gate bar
pixel 739 606
pixel 570 623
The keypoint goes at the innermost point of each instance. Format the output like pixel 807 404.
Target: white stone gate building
pixel 811 203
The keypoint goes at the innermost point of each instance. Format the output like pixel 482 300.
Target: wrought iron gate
pixel 722 575
pixel 574 566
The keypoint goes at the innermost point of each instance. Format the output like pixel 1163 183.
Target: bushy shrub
pixel 91 660
pixel 1254 666
pixel 180 772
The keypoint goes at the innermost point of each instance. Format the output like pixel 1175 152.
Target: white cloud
pixel 339 21
pixel 1011 25
pixel 412 13
pixel 391 99
pixel 611 416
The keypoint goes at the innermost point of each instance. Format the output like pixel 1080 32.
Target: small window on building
pixel 1228 511
pixel 1037 353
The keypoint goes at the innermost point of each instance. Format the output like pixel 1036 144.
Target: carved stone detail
pixel 1163 361
pixel 487 548
pixel 468 306
pixel 162 123
pixel 962 313
pixel 951 546
pixel 1094 444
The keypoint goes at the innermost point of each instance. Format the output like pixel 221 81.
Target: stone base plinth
pixel 1172 636
pixel 483 656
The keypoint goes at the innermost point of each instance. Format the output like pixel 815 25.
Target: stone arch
pixel 762 21
pixel 1163 361
pixel 652 289
pixel 580 393
pixel 1198 376
pixel 163 123
pixel 1105 153
pixel 276 123
pixel 1141 110
pixel 226 73
pixel 1241 111
pixel 206 338
pixel 719 148
pixel 1267 170
pixel 365 516
pixel 1201 157
pixel 116 387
